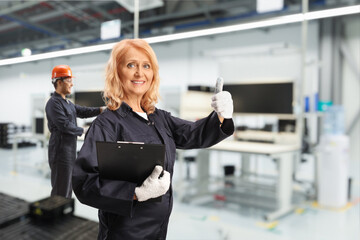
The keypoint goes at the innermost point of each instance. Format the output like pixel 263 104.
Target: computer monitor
pixel 89 99
pixel 39 125
pixel 262 98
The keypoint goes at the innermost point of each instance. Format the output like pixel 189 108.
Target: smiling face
pixel 136 73
pixel 64 86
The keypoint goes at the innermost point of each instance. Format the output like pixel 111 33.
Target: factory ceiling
pixel 45 26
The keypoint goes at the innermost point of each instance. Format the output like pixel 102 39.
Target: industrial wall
pixel 182 63
pixel 273 53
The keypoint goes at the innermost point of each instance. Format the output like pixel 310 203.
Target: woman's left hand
pixel 222 103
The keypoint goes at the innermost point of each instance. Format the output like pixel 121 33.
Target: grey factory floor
pixel 215 220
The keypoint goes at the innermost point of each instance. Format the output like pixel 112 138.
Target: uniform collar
pixel 57 95
pixel 124 109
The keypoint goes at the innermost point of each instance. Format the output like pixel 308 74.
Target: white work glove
pixel 222 103
pixel 153 186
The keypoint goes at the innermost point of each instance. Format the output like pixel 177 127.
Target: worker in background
pixel 61 115
pixel 132 90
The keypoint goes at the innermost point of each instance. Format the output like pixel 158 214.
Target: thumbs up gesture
pixel 222 101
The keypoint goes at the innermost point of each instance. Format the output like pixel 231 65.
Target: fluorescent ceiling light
pixel 259 24
pixel 56 54
pixel 233 28
pixel 335 12
pixel 199 33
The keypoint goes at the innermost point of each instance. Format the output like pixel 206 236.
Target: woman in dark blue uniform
pixel 131 88
pixel 61 115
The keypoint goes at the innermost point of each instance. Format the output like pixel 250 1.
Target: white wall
pixel 17 85
pixel 198 61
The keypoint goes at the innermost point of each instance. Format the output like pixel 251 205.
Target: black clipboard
pixel 128 161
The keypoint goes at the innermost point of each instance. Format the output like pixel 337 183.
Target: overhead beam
pixel 46 16
pixel 179 15
pixel 101 11
pixel 77 12
pixel 18 6
pixel 177 6
pixel 39 28
pixel 129 24
pixel 206 11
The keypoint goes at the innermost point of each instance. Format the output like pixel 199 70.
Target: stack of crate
pixel 7 133
pixel 7 130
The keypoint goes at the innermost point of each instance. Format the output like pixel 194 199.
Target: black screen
pixel 39 125
pixel 89 99
pixel 262 98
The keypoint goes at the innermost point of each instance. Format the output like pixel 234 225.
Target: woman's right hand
pixel 154 185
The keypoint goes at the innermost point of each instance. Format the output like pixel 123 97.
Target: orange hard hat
pixel 60 71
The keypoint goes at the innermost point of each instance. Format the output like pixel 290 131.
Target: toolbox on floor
pixel 19 219
pixel 51 208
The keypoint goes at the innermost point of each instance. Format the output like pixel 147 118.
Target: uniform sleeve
pixel 228 126
pixel 86 112
pixel 56 114
pixel 203 133
pixel 108 195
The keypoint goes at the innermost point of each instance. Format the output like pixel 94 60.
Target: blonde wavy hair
pixel 114 87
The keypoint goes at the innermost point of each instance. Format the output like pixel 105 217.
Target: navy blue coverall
pixel 121 217
pixel 61 115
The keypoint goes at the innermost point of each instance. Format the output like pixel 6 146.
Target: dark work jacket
pixel 121 217
pixel 61 115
